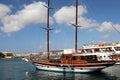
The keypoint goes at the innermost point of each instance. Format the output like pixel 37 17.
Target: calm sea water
pixel 16 69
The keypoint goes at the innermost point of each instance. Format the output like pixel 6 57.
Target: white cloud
pixel 32 13
pixel 90 30
pixel 57 31
pixel 36 13
pixel 105 26
pixel 4 9
pixel 86 23
pixel 108 26
pixel 117 27
pixel 67 14
pixel 106 36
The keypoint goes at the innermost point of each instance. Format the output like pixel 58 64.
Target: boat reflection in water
pixel 45 75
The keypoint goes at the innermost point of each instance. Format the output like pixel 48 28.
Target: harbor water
pixel 17 69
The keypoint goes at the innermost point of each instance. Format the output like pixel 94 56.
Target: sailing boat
pixel 74 62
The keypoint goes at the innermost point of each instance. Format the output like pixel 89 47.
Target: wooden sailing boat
pixel 74 62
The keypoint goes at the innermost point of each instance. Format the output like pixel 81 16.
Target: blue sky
pixel 21 23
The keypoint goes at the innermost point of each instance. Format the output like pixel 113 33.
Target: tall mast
pixel 76 27
pixel 48 27
pixel 48 49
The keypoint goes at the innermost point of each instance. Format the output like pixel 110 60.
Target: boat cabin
pixel 78 58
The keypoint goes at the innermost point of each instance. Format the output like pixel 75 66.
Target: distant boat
pixel 25 59
pixel 74 62
pixel 104 51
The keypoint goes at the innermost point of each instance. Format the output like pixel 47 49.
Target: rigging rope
pixel 115 29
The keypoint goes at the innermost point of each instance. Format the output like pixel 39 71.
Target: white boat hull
pixel 69 69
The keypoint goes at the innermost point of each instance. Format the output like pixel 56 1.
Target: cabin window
pixel 87 57
pixel 92 57
pixel 110 49
pixel 82 51
pixel 97 50
pixel 74 58
pixel 107 49
pixel 117 48
pixel 63 56
pixel 82 57
pixel 89 50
